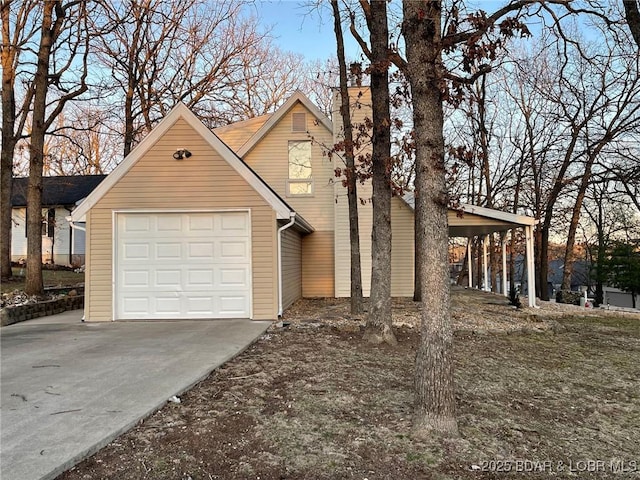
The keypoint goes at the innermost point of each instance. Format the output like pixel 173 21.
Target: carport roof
pixel 472 220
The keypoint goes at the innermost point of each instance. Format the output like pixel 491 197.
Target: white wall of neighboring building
pixel 55 250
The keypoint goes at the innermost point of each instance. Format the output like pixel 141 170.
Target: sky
pixel 298 30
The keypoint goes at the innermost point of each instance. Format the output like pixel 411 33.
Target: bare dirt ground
pixel 541 393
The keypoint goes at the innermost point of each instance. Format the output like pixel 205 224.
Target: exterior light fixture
pixel 181 153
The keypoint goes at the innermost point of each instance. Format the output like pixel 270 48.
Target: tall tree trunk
pixel 569 255
pixel 632 14
pixel 542 262
pixel 378 328
pixel 49 31
pixel 6 185
pixel 352 192
pixel 8 146
pixel 435 399
pixel 417 260
pixel 493 263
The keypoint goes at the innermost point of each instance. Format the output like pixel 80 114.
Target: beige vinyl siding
pixel 402 247
pixel 270 159
pixel 401 221
pixel 318 278
pixel 341 211
pixel 343 243
pixel 291 267
pixel 204 181
pixel 237 134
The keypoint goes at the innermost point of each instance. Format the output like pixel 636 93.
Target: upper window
pixel 300 181
pixel 299 122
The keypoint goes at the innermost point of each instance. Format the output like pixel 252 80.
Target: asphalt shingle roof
pixel 57 190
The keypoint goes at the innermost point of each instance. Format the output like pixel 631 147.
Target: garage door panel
pixel 234 224
pixel 169 223
pixel 136 305
pixel 201 223
pixel 200 251
pixel 168 278
pixel 234 250
pixel 233 305
pixel 135 278
pixel 167 306
pixel 234 277
pixel 200 278
pixel 168 251
pixel 136 251
pixel 183 265
pixel 199 304
pixel 141 223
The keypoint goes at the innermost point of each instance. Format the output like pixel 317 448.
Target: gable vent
pixel 299 122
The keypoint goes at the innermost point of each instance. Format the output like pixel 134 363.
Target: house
pixel 61 245
pixel 238 222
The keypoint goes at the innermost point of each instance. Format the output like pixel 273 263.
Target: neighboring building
pixel 61 244
pixel 238 222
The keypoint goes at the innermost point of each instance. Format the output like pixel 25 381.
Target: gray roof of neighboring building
pixel 65 190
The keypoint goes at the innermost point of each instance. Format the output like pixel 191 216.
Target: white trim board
pixel 181 111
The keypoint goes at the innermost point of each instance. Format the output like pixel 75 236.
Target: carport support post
pixel 531 278
pixel 469 262
pixel 503 277
pixel 485 274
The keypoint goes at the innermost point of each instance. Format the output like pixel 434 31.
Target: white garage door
pixel 183 265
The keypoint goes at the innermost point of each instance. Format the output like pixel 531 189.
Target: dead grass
pixel 311 401
pixel 51 278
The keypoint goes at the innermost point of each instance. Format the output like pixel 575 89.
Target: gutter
pixel 73 224
pixel 292 220
pixel 70 236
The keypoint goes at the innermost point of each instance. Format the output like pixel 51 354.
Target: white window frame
pixel 300 181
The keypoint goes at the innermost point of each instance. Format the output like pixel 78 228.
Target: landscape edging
pixel 20 313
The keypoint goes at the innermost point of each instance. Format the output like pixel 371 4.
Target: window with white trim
pixel 300 181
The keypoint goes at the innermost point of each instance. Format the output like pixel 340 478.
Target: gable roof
pixel 282 209
pixel 236 134
pixel 475 220
pixel 297 97
pixel 63 190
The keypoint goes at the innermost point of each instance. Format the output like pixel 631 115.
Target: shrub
pixel 568 296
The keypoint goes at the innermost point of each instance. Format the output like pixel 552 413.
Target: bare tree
pixel 63 29
pixel 426 39
pixel 82 142
pixel 632 14
pixel 378 326
pixel 209 55
pixel 350 167
pixel 18 15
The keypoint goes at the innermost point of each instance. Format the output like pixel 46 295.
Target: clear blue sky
pixel 299 30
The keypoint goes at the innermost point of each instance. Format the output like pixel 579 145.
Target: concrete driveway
pixel 68 388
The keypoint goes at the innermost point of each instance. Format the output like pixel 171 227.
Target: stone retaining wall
pixel 20 313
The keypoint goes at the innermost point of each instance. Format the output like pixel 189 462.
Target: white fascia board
pixel 279 114
pixel 181 111
pixel 498 215
pixel 512 218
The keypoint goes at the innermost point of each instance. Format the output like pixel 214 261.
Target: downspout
pixel 70 237
pixel 73 225
pixel 292 220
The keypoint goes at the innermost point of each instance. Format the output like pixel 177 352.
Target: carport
pixel 470 221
